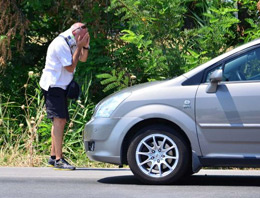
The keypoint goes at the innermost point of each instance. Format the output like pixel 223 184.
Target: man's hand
pixel 82 41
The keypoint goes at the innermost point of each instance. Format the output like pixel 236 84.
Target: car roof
pixel 220 57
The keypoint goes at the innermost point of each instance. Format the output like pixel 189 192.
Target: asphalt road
pixel 46 182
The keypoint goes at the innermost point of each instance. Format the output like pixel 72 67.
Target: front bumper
pixel 103 138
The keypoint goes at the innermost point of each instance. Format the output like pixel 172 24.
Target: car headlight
pixel 106 108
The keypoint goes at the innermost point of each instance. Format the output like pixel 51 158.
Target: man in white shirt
pixel 63 54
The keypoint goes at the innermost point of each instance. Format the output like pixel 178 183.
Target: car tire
pixel 163 163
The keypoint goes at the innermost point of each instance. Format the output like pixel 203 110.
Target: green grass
pixel 25 132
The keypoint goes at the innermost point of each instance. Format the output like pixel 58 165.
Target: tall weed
pixel 25 132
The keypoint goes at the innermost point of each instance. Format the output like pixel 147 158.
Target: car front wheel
pixel 158 155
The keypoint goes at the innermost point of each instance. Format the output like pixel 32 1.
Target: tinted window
pixel 242 68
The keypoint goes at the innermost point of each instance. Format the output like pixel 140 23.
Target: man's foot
pixel 62 164
pixel 51 162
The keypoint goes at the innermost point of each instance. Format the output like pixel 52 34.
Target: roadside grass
pixel 25 132
pixel 13 157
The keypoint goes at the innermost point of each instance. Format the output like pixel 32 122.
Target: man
pixel 63 54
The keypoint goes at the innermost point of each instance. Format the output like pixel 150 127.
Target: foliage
pixel 154 29
pixel 20 122
pixel 12 24
pixel 251 23
pixel 212 37
pixel 114 80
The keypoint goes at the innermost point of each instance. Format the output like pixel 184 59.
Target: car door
pixel 228 121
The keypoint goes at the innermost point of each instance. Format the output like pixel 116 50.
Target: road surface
pixel 113 183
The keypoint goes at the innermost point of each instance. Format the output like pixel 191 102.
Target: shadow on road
pixel 102 169
pixel 196 180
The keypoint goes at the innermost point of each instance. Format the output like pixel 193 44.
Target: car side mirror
pixel 215 78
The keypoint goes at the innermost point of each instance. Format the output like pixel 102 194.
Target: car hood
pixel 155 84
pixel 145 86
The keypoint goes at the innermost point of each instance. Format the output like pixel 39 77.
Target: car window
pixel 245 67
pixel 251 70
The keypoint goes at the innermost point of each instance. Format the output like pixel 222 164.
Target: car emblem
pixel 186 104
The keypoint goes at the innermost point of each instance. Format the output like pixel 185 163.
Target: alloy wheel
pixel 157 155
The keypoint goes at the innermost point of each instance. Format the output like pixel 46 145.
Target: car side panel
pixel 229 120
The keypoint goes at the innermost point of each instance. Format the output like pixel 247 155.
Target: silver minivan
pixel 207 117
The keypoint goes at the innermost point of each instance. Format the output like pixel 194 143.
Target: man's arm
pixel 83 55
pixel 75 60
pixel 84 52
pixel 77 53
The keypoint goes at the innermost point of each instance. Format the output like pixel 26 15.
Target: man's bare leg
pixel 57 135
pixel 52 143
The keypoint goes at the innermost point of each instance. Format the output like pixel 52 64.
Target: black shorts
pixel 56 103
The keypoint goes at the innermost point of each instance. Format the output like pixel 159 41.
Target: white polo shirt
pixel 59 55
